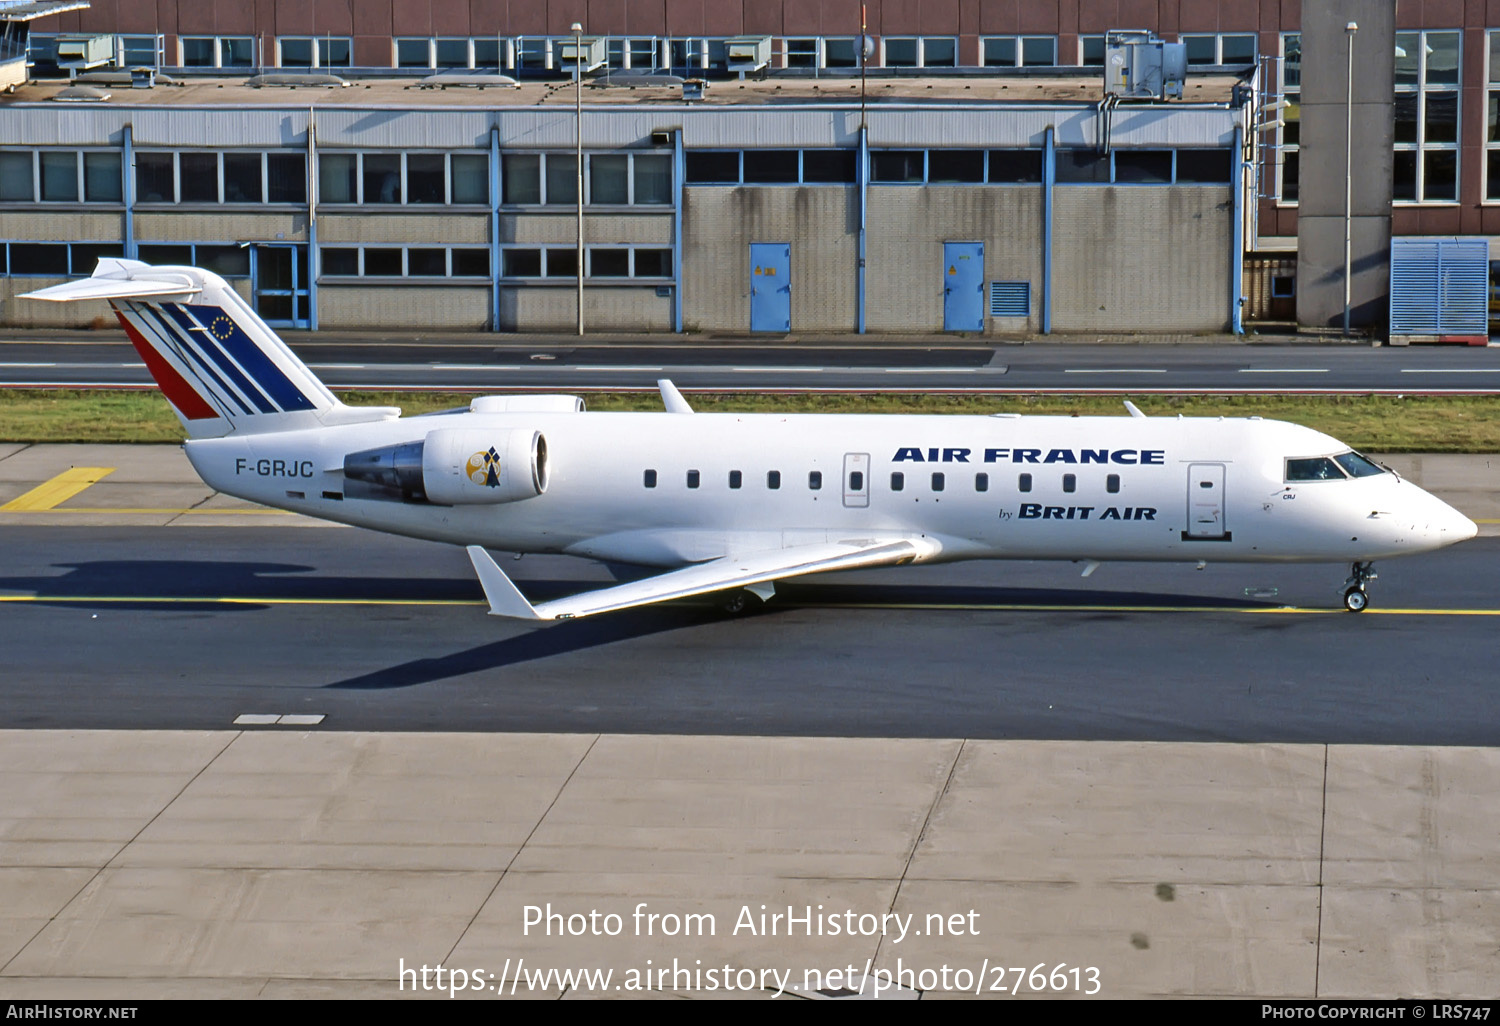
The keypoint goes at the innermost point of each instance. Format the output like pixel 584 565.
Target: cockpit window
pixel 1358 466
pixel 1319 468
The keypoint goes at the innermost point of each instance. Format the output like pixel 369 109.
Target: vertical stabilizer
pixel 220 366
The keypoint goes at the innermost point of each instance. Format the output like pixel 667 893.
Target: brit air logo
pixel 484 468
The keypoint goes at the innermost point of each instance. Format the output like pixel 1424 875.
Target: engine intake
pixel 455 468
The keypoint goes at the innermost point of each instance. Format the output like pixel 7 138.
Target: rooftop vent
pixel 293 81
pixel 470 79
pixel 81 94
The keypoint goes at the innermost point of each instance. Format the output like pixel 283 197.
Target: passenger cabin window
pixel 1320 468
pixel 1112 483
pixel 981 482
pixel 1024 484
pixel 856 481
pixel 1070 482
pixel 1358 466
pixel 650 479
pixel 692 478
pixel 773 479
pixel 898 481
pixel 735 478
pixel 937 482
pixel 815 480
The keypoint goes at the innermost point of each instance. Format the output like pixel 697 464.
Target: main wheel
pixel 735 602
pixel 1355 600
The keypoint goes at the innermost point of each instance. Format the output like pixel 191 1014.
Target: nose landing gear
pixel 1360 574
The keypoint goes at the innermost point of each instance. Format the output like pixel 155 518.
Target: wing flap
pixel 721 574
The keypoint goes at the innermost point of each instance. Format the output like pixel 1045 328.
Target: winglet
pixel 504 598
pixel 1134 410
pixel 671 398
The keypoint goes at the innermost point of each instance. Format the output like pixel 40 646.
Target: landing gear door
pixel 856 480
pixel 1205 503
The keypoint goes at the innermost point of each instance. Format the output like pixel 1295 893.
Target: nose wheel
pixel 1355 596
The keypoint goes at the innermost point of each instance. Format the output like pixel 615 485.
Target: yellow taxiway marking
pixel 167 512
pixel 44 497
pixel 958 606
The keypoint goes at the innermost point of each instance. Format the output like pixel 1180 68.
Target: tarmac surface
pixel 921 364
pixel 1039 764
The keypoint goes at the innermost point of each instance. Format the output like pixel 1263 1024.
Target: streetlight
pixel 577 31
pixel 1349 31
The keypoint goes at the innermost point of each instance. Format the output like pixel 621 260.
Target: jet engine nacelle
pixel 456 467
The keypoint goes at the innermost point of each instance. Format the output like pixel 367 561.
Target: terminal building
pixel 752 167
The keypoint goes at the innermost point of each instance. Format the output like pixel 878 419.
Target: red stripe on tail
pixel 178 392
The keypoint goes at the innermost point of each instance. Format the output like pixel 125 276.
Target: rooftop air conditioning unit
pixel 80 53
pixel 749 53
pixel 1139 65
pixel 588 52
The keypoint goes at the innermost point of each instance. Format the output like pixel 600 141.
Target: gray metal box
pixel 748 53
pixel 1137 64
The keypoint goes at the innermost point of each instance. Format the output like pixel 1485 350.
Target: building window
pixel 314 52
pixel 920 51
pixel 225 260
pixel 217 51
pixel 404 261
pixel 1222 48
pixel 1091 51
pixel 54 259
pixel 618 179
pixel 600 262
pixel 1288 136
pixel 60 176
pixel 1492 127
pixel 1426 158
pixel 197 177
pixel 396 178
pixel 1020 51
pixel 769 167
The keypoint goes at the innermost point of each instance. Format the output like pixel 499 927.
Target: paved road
pixel 190 627
pixel 935 365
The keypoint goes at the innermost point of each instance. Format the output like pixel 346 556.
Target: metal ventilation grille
pixel 1010 299
pixel 1439 286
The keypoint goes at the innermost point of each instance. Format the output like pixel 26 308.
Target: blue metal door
pixel 770 286
pixel 963 286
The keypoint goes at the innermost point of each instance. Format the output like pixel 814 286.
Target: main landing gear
pixel 1360 574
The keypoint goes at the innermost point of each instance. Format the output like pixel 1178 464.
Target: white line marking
pixel 255 719
pixel 1117 370
pixel 1283 370
pixel 613 367
pixel 301 719
pixel 466 366
pixel 1455 370
pixel 339 366
pixel 41 365
pixel 928 370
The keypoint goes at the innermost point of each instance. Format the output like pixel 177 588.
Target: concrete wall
pixel 220 226
pixel 821 223
pixel 61 226
pixel 432 229
pixel 1320 221
pixel 904 256
pixel 1142 258
pixel 409 308
pixel 604 229
pixel 608 308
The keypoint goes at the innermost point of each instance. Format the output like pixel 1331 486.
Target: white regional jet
pixel 731 503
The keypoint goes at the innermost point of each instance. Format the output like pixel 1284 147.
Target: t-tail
pixel 220 366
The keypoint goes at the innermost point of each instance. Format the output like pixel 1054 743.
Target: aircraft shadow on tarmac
pixel 544 642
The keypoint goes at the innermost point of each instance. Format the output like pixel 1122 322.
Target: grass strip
pixel 1378 423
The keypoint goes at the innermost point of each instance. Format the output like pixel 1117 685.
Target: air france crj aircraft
pixel 731 503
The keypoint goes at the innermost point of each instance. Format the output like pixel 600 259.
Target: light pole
pixel 1349 31
pixel 578 124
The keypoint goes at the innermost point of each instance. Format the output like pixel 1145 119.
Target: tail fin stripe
pixel 173 341
pixel 198 338
pixel 178 392
pixel 223 328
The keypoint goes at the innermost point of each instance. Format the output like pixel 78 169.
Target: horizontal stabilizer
pixel 723 574
pixel 116 288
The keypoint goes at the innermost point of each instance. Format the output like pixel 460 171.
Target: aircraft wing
pixel 699 579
